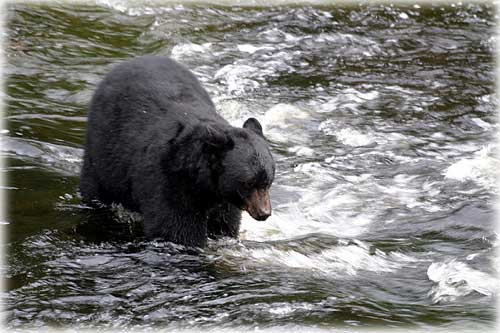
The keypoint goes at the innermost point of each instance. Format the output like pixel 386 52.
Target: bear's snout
pixel 259 205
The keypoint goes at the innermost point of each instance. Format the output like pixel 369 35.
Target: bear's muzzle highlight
pixel 259 205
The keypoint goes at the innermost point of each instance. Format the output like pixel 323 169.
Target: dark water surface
pixel 381 119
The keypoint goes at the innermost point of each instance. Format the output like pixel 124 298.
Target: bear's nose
pixel 262 216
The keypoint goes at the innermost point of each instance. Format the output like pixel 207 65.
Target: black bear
pixel 156 145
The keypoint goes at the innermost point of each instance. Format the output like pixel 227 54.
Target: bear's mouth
pixel 258 205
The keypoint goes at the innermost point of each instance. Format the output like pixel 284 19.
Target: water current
pixel 382 121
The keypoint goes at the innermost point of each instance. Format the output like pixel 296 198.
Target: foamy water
pixel 482 167
pixel 454 279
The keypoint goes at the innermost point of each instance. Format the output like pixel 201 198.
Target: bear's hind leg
pixel 90 189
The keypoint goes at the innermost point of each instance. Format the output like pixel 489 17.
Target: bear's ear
pixel 216 137
pixel 253 125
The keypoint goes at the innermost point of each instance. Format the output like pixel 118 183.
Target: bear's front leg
pixel 176 227
pixel 224 220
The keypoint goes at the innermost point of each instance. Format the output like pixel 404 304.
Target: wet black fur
pixel 156 145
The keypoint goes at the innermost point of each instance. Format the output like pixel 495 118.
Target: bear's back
pixel 154 83
pixel 142 99
pixel 135 111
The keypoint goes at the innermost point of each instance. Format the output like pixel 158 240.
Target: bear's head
pixel 246 168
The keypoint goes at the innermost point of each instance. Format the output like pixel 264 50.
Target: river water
pixel 382 122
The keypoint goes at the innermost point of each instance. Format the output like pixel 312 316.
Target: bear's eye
pixel 262 179
pixel 249 185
